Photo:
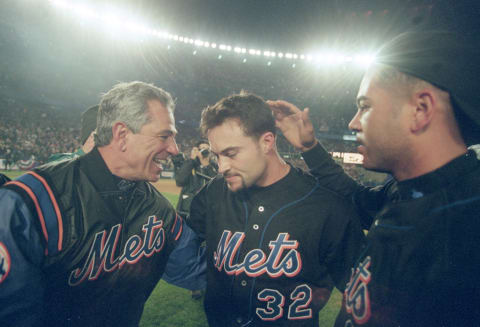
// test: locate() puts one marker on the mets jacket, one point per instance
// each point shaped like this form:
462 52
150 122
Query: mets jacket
421 266
82 247
274 253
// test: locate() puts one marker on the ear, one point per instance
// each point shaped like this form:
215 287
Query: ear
424 110
120 132
267 142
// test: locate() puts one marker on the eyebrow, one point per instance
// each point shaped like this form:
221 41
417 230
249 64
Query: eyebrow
224 151
360 99
167 131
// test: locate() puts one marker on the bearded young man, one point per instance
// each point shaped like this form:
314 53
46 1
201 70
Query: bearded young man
277 243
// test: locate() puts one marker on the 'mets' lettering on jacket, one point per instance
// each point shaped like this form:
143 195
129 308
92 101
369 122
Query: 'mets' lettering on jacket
102 252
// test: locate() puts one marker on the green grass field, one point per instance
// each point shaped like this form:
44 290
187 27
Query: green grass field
170 306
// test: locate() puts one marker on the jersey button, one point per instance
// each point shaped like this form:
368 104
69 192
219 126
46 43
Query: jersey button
239 320
261 209
255 227
243 283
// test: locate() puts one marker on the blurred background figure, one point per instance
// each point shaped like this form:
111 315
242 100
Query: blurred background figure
89 123
191 175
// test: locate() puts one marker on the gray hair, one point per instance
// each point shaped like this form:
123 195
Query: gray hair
128 103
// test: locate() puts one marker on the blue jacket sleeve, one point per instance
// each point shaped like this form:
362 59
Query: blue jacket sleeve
22 251
186 266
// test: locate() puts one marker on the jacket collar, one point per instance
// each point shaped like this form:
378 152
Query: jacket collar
99 174
439 178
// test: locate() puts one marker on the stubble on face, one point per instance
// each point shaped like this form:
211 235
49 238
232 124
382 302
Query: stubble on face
380 127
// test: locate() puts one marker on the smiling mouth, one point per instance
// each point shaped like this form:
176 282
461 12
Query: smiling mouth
159 163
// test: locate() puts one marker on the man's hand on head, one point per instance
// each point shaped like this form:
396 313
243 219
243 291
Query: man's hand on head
294 124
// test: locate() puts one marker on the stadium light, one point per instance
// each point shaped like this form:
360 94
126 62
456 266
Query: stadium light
111 21
122 23
364 60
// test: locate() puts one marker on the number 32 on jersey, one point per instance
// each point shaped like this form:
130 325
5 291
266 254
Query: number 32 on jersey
298 309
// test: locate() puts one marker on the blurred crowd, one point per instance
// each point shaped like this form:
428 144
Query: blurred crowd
37 130
29 130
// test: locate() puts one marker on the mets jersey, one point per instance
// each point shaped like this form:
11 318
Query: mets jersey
274 253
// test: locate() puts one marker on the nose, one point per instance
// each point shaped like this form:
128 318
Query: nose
172 147
223 164
354 124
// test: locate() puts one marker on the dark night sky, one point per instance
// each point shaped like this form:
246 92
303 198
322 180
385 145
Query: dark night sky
44 52
301 23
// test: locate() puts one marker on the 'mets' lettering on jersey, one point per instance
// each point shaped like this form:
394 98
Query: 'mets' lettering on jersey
102 252
256 262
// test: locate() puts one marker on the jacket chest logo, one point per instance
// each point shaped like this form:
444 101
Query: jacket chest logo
102 251
256 262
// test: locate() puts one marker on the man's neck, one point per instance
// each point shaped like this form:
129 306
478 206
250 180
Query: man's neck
113 162
277 169
428 159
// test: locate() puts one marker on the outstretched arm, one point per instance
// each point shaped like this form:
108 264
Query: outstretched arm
297 128
186 266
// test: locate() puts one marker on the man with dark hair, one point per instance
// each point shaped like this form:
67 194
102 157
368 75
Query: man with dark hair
84 242
89 123
277 243
418 110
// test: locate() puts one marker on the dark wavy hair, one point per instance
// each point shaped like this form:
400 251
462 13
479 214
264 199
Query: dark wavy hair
250 110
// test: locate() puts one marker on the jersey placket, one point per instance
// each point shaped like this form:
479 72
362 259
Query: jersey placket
244 283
